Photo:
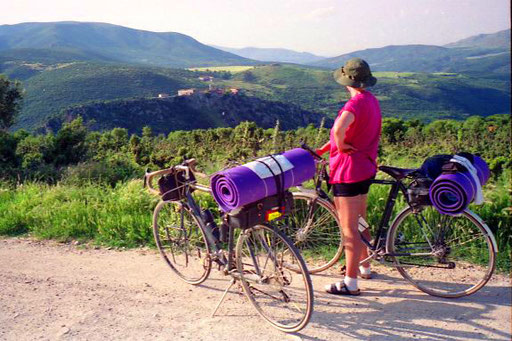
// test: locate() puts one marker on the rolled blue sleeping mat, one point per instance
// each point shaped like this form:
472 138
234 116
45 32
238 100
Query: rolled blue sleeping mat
242 185
451 193
482 169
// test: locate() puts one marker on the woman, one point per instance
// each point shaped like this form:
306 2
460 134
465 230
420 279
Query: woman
353 145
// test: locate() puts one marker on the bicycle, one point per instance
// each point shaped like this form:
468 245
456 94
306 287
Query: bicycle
420 242
187 240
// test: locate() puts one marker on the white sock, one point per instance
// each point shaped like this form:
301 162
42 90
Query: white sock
350 282
365 271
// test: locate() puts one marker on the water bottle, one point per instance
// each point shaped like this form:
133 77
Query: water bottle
224 233
210 224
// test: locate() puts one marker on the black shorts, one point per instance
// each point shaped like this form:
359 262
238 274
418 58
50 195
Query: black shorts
351 189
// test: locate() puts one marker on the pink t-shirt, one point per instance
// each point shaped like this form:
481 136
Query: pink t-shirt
364 134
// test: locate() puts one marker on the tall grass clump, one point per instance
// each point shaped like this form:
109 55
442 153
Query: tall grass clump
496 212
119 216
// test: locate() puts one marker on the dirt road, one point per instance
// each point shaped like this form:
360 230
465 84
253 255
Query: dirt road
57 291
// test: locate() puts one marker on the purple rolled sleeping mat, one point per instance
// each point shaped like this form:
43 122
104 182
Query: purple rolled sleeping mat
451 193
235 187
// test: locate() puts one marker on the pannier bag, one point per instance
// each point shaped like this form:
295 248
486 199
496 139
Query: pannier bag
263 211
171 186
418 191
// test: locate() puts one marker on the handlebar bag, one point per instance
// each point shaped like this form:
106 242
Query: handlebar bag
172 185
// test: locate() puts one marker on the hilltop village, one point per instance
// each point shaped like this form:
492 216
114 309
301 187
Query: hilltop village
212 89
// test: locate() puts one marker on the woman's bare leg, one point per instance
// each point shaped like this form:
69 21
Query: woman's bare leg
366 233
348 209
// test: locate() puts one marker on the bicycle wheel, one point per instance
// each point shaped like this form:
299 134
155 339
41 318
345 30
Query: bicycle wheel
314 229
282 297
442 255
181 241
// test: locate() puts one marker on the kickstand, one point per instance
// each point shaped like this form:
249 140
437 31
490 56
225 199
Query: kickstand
224 296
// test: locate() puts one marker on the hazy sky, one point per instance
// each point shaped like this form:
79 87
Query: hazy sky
325 27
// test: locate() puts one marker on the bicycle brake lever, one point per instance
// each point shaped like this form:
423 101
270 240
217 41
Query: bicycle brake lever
304 146
147 171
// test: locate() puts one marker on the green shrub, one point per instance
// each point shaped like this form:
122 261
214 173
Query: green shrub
108 172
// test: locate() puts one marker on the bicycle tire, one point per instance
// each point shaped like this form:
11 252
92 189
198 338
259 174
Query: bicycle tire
457 254
314 228
282 297
181 241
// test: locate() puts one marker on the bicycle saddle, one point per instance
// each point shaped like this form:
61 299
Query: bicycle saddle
397 173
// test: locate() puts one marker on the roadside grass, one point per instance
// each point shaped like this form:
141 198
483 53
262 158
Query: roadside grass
117 217
122 216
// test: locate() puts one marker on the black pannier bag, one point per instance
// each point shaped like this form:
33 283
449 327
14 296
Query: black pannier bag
171 185
436 165
432 167
265 210
418 191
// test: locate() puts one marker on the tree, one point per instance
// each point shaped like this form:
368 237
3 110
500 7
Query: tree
70 146
10 101
393 129
248 76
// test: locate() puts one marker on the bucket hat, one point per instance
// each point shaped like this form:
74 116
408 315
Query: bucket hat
355 73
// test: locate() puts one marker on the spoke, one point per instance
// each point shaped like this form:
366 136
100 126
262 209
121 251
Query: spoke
264 293
465 242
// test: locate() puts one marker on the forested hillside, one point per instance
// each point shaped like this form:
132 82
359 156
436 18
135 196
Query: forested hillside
198 111
65 85
425 96
53 88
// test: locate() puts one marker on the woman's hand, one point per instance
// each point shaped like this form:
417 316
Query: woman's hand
348 148
325 148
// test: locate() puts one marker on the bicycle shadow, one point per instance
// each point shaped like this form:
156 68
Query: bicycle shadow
389 309
414 315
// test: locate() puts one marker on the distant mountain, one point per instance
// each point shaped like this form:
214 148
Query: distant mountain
486 54
499 40
273 55
108 42
209 110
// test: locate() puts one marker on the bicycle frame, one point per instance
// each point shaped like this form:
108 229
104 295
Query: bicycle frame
380 237
213 241
396 187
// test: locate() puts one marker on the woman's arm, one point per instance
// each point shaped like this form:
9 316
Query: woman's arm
324 148
339 129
